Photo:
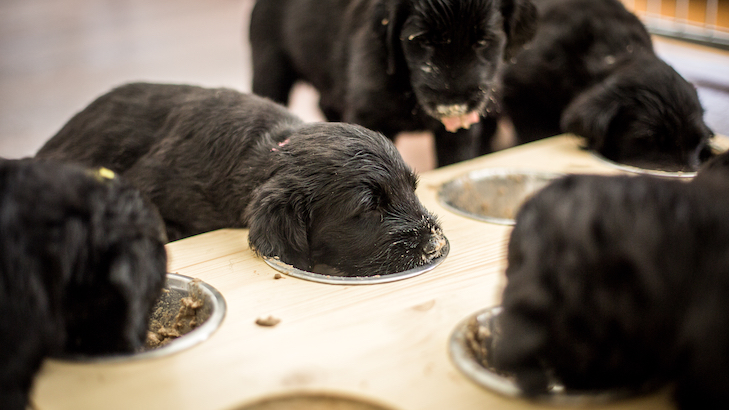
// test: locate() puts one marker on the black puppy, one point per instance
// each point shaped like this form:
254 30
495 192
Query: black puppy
591 70
312 194
620 283
392 65
82 261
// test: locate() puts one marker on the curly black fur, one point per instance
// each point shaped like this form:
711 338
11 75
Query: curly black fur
390 66
82 261
621 282
312 194
591 70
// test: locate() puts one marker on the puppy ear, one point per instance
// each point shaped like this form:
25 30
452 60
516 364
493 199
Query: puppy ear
137 274
590 116
277 221
388 17
520 25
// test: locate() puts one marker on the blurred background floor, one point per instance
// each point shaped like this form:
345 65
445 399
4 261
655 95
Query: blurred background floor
56 56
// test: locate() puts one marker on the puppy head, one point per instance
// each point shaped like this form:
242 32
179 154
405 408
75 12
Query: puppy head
340 195
453 50
600 271
97 246
646 111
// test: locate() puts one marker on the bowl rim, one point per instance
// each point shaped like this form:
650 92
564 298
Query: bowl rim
484 173
290 270
713 143
643 171
283 396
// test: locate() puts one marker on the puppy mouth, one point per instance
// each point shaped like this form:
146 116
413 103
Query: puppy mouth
452 118
456 116
435 246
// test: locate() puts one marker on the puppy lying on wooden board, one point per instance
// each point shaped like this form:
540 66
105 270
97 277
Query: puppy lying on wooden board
392 65
82 262
619 283
591 70
328 194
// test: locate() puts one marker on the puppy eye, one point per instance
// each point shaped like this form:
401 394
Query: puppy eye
373 200
420 40
416 36
378 202
483 43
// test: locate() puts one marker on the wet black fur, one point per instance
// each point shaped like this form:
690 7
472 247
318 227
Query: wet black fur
621 282
323 193
82 261
360 56
591 70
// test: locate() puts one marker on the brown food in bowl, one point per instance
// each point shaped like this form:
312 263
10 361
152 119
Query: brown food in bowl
175 314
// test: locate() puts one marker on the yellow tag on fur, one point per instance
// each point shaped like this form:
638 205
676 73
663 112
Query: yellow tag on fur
106 173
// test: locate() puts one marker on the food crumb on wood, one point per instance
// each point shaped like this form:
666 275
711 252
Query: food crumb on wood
269 321
277 276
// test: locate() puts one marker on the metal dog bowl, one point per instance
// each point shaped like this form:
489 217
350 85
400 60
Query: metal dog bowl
492 195
312 401
660 170
184 326
468 353
648 169
356 280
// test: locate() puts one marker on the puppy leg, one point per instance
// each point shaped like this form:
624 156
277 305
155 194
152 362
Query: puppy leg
452 147
273 76
330 108
273 73
489 128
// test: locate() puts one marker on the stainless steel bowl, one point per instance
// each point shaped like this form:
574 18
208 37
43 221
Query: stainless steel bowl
464 345
210 316
356 280
644 169
312 401
669 171
493 194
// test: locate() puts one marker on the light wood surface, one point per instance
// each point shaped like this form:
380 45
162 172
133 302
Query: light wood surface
384 342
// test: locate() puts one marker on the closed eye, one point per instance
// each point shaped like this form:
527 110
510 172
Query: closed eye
483 43
374 200
416 36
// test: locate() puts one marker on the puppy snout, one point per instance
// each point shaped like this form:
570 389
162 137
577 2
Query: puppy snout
700 154
451 110
435 245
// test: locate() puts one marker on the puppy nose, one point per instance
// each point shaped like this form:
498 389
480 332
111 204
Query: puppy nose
435 244
451 110
698 155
